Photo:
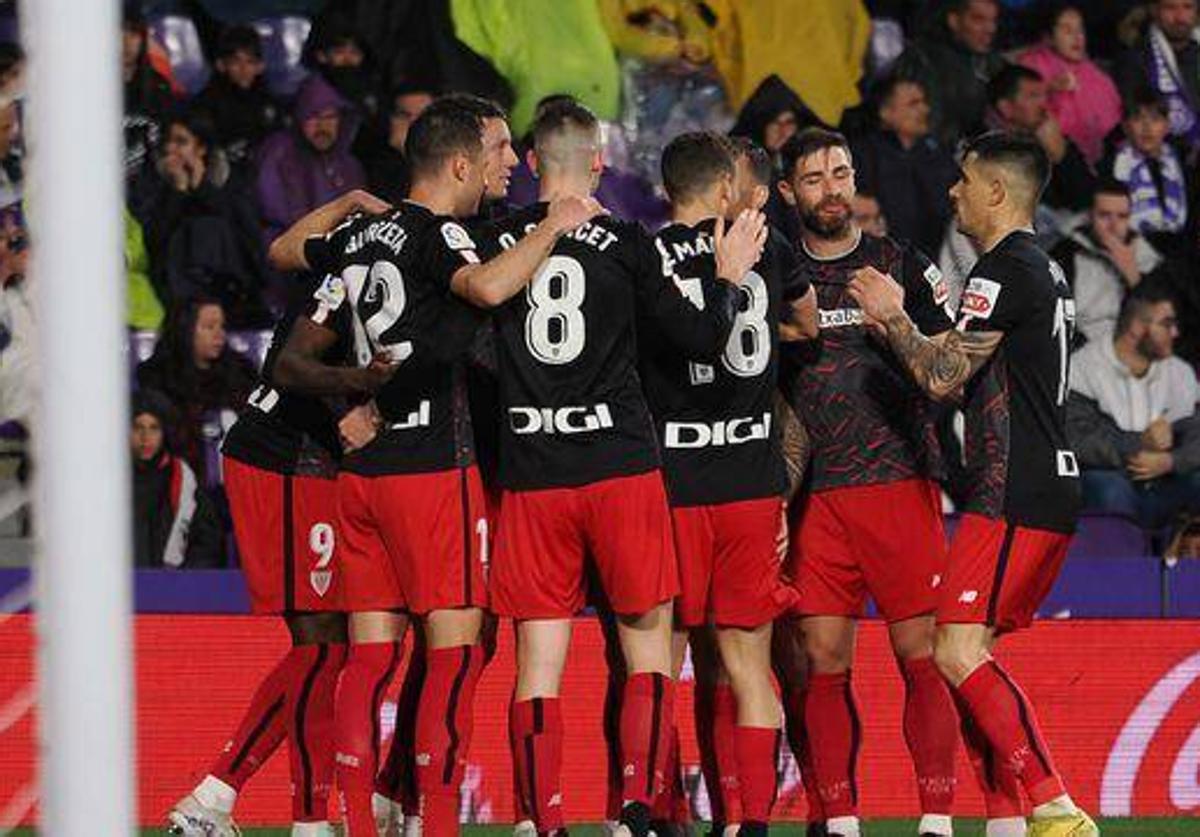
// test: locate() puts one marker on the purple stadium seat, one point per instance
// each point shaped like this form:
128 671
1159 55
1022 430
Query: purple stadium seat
1183 586
179 38
283 46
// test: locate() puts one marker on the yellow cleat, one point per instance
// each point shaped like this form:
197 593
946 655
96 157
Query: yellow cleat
1078 824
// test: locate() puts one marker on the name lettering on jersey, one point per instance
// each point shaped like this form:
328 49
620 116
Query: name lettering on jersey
593 235
458 239
839 317
263 398
562 420
678 251
420 417
979 298
937 283
508 240
698 434
388 233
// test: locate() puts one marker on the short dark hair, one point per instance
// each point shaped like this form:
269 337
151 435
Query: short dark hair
556 117
1018 153
960 6
1143 296
237 39
1007 82
1111 186
478 105
443 129
1145 98
1048 17
692 162
807 142
887 87
758 158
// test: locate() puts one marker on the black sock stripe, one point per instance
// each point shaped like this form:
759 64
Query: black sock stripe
289 547
377 698
855 740
256 733
655 731
452 713
539 717
302 727
465 496
1010 530
531 798
1023 711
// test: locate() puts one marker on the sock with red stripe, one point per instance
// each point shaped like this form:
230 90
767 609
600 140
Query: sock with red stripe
397 780
793 712
1003 714
263 727
369 669
309 710
647 715
537 731
930 732
445 724
834 734
757 748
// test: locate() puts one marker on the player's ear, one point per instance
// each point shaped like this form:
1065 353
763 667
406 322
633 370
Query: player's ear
460 166
598 162
531 160
761 195
786 192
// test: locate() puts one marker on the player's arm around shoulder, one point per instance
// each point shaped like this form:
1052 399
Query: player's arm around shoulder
799 320
287 252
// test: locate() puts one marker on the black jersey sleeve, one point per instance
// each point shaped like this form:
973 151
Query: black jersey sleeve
996 297
323 252
448 247
926 293
793 280
699 332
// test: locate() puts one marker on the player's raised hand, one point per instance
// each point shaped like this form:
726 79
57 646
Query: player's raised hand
359 426
878 295
740 247
360 200
567 213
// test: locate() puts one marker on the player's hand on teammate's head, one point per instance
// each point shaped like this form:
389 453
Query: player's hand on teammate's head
358 427
877 294
567 213
740 247
360 200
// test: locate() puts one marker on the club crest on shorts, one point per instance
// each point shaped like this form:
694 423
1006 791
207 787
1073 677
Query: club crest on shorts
320 581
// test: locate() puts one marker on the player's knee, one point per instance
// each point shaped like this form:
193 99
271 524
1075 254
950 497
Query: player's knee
912 640
450 628
828 654
315 628
956 656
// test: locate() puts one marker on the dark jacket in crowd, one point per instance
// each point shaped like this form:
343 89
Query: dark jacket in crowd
1072 182
911 185
955 80
242 118
148 100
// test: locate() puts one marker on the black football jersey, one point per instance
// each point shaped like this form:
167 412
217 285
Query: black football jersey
715 422
867 420
1019 464
387 286
572 407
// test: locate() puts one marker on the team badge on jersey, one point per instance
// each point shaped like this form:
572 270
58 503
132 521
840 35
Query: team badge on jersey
979 298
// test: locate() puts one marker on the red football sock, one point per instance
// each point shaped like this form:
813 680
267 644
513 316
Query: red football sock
647 711
520 809
793 711
757 748
538 732
263 727
931 733
368 671
1003 714
612 740
725 752
1001 791
666 806
309 711
397 780
834 733
445 724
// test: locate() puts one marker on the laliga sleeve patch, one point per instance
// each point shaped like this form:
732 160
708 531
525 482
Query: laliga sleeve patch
979 298
937 284
459 240
330 295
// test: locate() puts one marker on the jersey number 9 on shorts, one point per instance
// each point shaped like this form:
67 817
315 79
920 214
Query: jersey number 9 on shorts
554 327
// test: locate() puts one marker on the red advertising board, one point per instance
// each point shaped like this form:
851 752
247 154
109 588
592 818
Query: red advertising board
1119 703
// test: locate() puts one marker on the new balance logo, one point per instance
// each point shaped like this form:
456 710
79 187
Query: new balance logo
563 420
968 596
695 434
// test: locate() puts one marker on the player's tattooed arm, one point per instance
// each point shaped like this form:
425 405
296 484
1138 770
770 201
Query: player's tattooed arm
299 367
940 365
287 251
795 444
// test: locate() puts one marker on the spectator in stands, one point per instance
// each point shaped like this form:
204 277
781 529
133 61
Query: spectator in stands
770 117
905 167
1103 258
174 523
1082 98
148 96
19 372
953 63
337 51
1167 61
867 214
12 71
144 308
12 176
1017 96
1131 416
387 168
201 223
236 98
309 164
1150 166
206 381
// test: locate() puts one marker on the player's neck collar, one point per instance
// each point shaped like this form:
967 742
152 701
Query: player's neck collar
853 246
1014 231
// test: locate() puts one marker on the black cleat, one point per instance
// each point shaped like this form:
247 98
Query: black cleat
753 829
816 829
636 817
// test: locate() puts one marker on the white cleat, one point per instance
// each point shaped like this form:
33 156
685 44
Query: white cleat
389 818
413 827
611 828
525 828
189 818
313 829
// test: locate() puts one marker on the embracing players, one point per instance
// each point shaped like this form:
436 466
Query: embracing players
871 522
1008 361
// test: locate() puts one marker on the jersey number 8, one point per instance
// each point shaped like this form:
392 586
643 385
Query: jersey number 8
748 349
554 326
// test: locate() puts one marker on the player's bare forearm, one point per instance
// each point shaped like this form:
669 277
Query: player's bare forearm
943 365
299 367
287 251
499 279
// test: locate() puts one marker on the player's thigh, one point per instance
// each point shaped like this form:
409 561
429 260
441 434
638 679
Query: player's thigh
538 568
822 563
369 581
746 653
542 646
449 628
912 638
695 547
377 626
747 589
901 543
630 538
1034 561
256 504
317 582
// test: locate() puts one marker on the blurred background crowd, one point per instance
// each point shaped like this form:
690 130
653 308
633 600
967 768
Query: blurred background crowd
241 116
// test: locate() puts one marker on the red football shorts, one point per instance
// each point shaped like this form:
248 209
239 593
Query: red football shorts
886 540
287 535
623 524
999 572
415 542
728 570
